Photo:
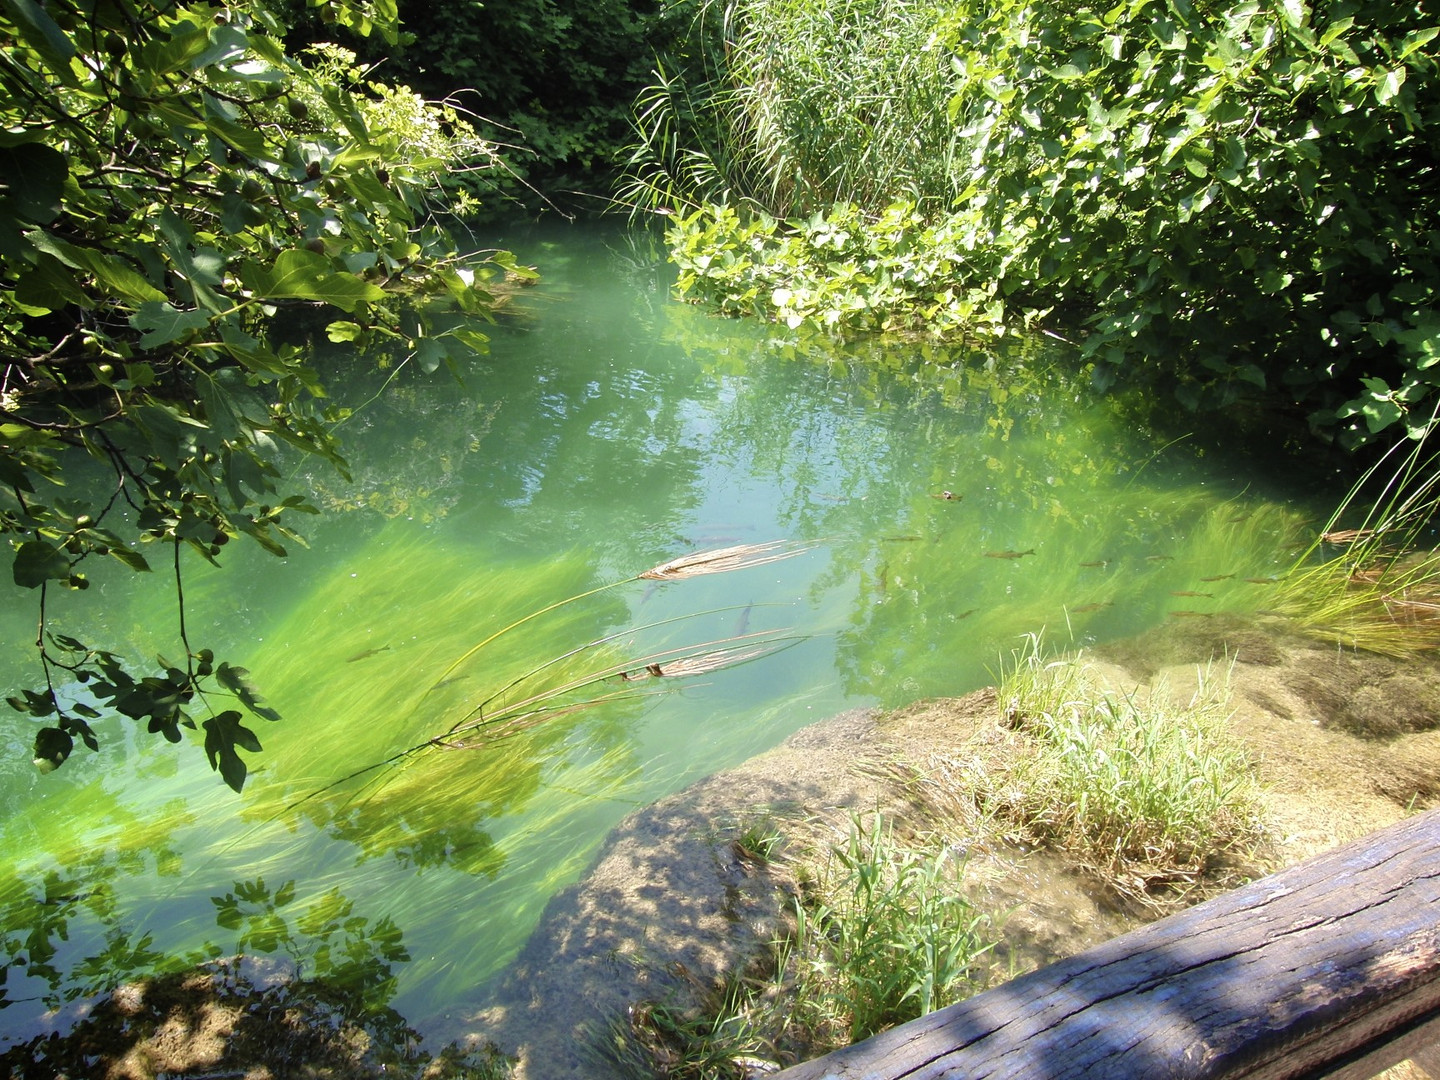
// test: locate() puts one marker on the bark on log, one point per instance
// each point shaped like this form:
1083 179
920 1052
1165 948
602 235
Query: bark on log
1294 975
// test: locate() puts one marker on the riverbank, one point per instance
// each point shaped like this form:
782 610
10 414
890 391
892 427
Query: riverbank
679 898
1342 743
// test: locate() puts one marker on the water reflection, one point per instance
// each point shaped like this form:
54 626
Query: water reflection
608 431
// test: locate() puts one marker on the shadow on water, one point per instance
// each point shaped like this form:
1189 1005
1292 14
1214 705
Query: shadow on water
965 496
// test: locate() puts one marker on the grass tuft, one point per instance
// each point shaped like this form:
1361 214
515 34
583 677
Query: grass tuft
1149 794
882 935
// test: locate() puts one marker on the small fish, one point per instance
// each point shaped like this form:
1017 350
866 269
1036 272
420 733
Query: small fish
1084 608
1259 580
1218 577
1190 614
1237 519
1158 558
882 577
948 496
367 652
900 539
1009 554
1189 592
743 622
1098 564
966 614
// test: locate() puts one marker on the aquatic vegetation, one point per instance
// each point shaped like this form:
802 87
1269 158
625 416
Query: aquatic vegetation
1381 592
884 934
1149 794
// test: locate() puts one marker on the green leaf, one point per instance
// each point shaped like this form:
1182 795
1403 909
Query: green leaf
343 331
164 323
133 559
114 274
430 352
35 174
237 681
472 339
304 275
52 747
49 285
1389 85
223 733
39 561
38 30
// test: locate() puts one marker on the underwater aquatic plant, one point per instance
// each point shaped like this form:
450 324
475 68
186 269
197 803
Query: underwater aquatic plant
592 674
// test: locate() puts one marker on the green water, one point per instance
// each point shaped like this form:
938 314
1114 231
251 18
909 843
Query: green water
609 430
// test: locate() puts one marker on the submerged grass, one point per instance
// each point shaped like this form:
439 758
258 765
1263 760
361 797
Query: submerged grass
1149 794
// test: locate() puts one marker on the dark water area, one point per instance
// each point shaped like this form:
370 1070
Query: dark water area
944 500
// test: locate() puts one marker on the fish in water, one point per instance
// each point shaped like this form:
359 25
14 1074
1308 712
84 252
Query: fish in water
1190 592
1084 608
966 614
900 539
1260 580
1009 554
1158 558
1218 577
743 622
1190 614
367 652
1098 564
948 496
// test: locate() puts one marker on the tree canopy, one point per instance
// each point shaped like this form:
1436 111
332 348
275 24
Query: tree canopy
170 179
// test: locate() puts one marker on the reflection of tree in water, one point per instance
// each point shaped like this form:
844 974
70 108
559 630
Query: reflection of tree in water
224 1006
406 452
62 932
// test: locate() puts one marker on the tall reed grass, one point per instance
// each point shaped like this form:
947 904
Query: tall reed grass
1375 585
793 105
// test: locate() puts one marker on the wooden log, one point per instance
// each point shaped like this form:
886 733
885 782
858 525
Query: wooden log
1298 974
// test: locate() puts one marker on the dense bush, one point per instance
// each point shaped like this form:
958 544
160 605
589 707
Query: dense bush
1243 194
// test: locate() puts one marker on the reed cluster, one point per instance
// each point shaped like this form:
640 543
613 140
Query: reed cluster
1375 585
793 105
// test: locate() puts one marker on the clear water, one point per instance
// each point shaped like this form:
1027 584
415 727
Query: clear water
609 430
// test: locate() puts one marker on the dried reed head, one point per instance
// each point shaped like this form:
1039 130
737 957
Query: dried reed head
720 560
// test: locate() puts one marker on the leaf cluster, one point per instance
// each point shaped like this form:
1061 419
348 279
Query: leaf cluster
1241 195
170 180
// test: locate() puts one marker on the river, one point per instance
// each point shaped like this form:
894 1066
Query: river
935 504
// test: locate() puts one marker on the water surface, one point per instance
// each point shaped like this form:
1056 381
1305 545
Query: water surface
958 498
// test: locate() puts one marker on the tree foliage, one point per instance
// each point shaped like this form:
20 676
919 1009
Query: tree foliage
1241 193
170 179
556 77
